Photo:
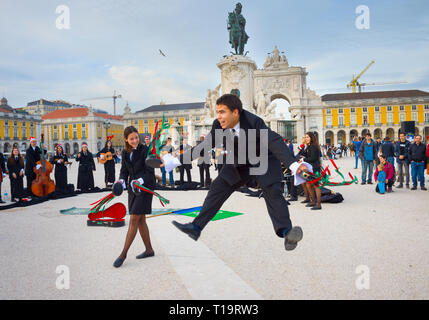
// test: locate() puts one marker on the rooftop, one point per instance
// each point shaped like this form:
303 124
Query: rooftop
375 95
172 107
75 113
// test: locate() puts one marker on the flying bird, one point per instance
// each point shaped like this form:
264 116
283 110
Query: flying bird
161 53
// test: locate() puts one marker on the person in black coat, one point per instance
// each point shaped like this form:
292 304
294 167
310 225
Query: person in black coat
204 164
311 155
134 170
15 166
85 177
109 166
3 172
182 148
32 156
237 125
60 161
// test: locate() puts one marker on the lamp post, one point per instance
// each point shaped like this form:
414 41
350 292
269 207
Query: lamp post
107 127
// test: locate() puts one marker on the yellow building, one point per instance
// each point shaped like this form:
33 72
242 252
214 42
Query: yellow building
186 119
380 113
75 126
16 128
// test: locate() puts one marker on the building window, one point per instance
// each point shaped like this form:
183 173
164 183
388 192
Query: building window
341 121
402 117
377 109
426 106
427 117
187 119
401 108
414 116
74 131
197 119
365 119
31 130
328 111
6 130
365 109
353 120
414 107
146 129
15 130
340 110
146 122
55 133
377 118
389 108
390 118
352 110
66 132
329 122
84 130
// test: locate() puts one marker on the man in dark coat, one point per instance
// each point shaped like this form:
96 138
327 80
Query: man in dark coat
182 148
32 155
237 124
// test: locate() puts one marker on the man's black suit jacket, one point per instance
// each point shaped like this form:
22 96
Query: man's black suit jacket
278 152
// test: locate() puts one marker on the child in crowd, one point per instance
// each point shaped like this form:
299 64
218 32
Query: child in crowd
381 183
389 174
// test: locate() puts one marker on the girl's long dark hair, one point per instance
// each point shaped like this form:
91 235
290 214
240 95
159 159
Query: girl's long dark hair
127 132
11 158
313 140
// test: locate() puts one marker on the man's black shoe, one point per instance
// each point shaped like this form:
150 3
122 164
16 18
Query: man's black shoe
369 182
400 186
424 188
414 188
292 199
363 182
292 238
192 230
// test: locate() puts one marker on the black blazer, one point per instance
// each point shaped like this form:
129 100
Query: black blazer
31 158
136 167
278 152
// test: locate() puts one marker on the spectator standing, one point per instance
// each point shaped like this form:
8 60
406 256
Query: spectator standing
417 155
368 153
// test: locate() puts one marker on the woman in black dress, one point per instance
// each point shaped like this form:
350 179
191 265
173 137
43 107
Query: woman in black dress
311 155
60 161
85 178
133 169
109 165
15 166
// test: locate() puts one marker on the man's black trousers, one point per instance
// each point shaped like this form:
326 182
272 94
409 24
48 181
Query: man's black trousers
220 191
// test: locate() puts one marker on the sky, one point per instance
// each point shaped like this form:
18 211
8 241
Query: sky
114 45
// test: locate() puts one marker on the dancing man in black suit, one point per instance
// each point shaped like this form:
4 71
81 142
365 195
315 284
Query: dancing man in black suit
232 120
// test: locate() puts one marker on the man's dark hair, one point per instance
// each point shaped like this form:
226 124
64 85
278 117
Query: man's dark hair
368 134
231 101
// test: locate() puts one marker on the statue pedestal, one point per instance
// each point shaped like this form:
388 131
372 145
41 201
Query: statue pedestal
237 73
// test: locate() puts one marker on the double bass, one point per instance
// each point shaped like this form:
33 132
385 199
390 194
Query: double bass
43 184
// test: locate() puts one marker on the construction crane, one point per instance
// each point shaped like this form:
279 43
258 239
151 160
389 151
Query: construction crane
114 100
379 84
354 83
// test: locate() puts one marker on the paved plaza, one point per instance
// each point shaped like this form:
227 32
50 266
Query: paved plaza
370 246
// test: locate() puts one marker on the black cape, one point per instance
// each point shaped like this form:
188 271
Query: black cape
16 185
60 172
85 178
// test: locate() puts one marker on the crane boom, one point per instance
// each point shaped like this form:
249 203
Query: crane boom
354 81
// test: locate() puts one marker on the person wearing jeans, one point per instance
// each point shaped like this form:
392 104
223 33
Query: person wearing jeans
401 154
357 142
417 155
368 153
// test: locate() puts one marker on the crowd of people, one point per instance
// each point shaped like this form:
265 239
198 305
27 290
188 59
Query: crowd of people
410 157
